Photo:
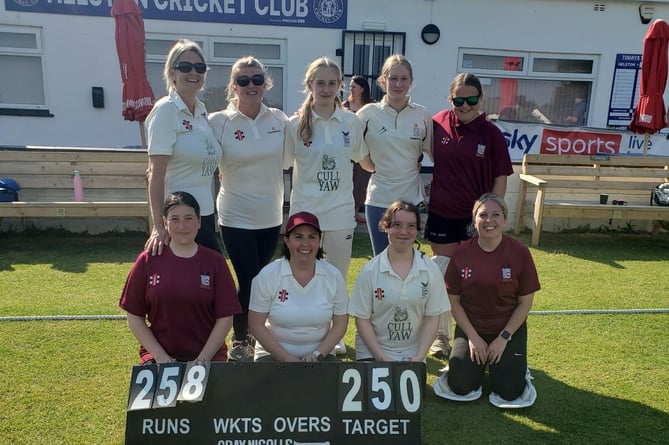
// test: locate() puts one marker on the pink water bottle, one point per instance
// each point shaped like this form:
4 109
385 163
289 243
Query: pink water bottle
78 187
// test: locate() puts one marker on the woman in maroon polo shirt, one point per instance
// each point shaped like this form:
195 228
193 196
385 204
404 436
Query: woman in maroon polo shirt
471 158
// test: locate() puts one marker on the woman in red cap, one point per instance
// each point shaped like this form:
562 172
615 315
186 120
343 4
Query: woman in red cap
299 304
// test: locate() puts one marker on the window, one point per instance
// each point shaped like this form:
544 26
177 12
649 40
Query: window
364 53
220 55
22 86
533 87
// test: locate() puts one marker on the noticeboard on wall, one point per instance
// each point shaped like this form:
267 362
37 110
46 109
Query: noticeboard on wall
624 90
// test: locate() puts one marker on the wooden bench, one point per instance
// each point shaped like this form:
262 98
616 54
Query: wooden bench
568 186
114 182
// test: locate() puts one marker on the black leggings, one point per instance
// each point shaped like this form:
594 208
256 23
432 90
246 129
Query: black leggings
507 378
249 251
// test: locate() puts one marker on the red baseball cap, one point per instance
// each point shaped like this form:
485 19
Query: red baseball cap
301 218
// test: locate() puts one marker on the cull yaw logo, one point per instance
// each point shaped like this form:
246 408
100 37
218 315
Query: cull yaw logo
328 11
569 142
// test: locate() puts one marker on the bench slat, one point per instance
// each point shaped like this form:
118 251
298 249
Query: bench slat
73 209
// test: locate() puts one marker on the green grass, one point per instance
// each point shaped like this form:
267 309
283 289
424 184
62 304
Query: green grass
600 378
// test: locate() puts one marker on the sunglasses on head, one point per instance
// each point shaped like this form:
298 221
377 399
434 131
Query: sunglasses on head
257 79
460 101
187 67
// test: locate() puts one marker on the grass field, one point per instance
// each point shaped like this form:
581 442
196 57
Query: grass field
600 377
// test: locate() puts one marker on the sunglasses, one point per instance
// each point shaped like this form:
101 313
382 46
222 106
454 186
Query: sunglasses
460 101
257 79
187 67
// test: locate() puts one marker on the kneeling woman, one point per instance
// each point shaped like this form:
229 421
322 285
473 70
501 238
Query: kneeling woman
399 294
491 281
187 293
298 309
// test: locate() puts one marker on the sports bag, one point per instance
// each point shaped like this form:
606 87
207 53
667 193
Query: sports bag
9 190
659 196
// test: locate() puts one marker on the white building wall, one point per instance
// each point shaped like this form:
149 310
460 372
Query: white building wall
79 53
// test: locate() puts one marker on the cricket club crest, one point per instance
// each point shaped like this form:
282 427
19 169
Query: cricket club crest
466 273
347 138
328 11
239 135
205 280
506 273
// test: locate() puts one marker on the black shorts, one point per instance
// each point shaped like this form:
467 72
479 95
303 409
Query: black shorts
440 230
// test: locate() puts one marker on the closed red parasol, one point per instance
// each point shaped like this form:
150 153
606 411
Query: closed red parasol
138 97
649 115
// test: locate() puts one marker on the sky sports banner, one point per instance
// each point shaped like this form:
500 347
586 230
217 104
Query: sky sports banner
306 13
537 139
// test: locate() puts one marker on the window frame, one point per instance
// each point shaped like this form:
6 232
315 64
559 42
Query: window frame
19 109
528 73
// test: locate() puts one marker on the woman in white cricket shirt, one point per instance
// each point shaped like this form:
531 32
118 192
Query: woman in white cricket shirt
250 200
397 133
298 309
399 294
183 153
320 143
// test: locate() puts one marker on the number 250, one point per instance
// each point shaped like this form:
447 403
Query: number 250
380 391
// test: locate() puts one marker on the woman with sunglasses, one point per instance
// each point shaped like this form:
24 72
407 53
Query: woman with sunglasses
470 158
321 141
250 200
397 133
183 152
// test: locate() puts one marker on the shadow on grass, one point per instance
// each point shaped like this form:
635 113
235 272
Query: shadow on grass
561 414
68 252
609 249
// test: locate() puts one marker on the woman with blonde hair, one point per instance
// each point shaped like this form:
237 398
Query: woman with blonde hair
183 152
250 199
397 134
320 143
490 303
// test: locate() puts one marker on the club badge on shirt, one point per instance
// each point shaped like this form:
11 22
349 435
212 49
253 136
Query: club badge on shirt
239 135
506 273
424 289
480 151
186 123
205 280
466 273
347 138
417 134
378 294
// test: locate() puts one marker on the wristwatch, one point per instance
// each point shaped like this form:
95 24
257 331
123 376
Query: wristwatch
319 356
506 335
